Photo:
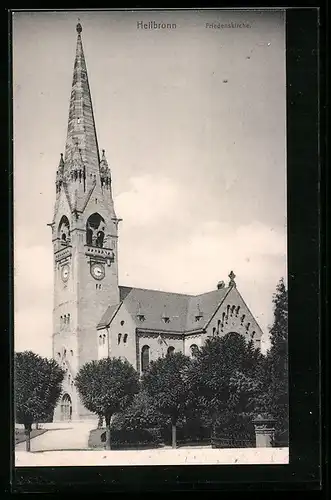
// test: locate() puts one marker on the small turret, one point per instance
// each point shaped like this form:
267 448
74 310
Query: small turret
59 174
105 177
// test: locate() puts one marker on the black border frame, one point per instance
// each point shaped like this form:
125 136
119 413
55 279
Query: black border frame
306 184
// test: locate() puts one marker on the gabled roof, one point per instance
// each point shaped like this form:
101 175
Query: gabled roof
166 311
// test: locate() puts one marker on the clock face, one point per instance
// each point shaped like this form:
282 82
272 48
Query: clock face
65 273
98 271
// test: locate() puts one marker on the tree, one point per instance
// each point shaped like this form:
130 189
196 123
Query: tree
165 381
141 414
275 395
38 385
224 378
107 387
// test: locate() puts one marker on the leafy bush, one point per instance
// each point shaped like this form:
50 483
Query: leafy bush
141 414
192 431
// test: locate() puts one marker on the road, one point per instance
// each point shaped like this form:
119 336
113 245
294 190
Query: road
72 437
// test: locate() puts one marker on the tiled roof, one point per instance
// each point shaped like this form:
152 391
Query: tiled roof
108 316
166 311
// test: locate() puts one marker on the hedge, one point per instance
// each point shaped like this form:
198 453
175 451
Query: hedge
126 438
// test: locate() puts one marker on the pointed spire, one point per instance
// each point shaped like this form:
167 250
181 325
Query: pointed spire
81 133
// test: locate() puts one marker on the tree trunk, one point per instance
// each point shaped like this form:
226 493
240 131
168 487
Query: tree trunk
100 422
27 429
212 430
173 432
108 441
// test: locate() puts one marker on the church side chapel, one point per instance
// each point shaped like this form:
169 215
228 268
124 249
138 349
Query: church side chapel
93 316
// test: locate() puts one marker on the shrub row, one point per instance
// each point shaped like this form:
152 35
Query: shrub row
126 438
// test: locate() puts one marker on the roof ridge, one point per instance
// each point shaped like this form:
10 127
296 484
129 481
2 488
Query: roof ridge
154 290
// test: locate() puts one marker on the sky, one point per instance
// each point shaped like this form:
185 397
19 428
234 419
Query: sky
193 121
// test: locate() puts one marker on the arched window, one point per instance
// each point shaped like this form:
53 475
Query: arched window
144 358
66 407
64 230
104 339
95 230
71 352
125 338
119 338
194 349
170 350
100 339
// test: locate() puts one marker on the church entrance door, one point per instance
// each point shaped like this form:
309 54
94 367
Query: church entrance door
66 408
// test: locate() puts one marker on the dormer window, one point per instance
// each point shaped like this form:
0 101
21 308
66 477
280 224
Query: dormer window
141 317
166 319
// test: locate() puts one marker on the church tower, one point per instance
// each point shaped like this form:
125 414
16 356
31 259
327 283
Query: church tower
84 235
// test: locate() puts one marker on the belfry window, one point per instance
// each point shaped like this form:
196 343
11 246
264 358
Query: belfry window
95 230
170 350
64 231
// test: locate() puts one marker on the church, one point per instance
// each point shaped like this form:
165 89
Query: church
93 316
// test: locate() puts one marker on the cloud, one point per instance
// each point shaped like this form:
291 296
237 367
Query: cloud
33 330
164 243
33 298
148 201
188 255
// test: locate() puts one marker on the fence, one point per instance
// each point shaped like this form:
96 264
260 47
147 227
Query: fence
232 442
